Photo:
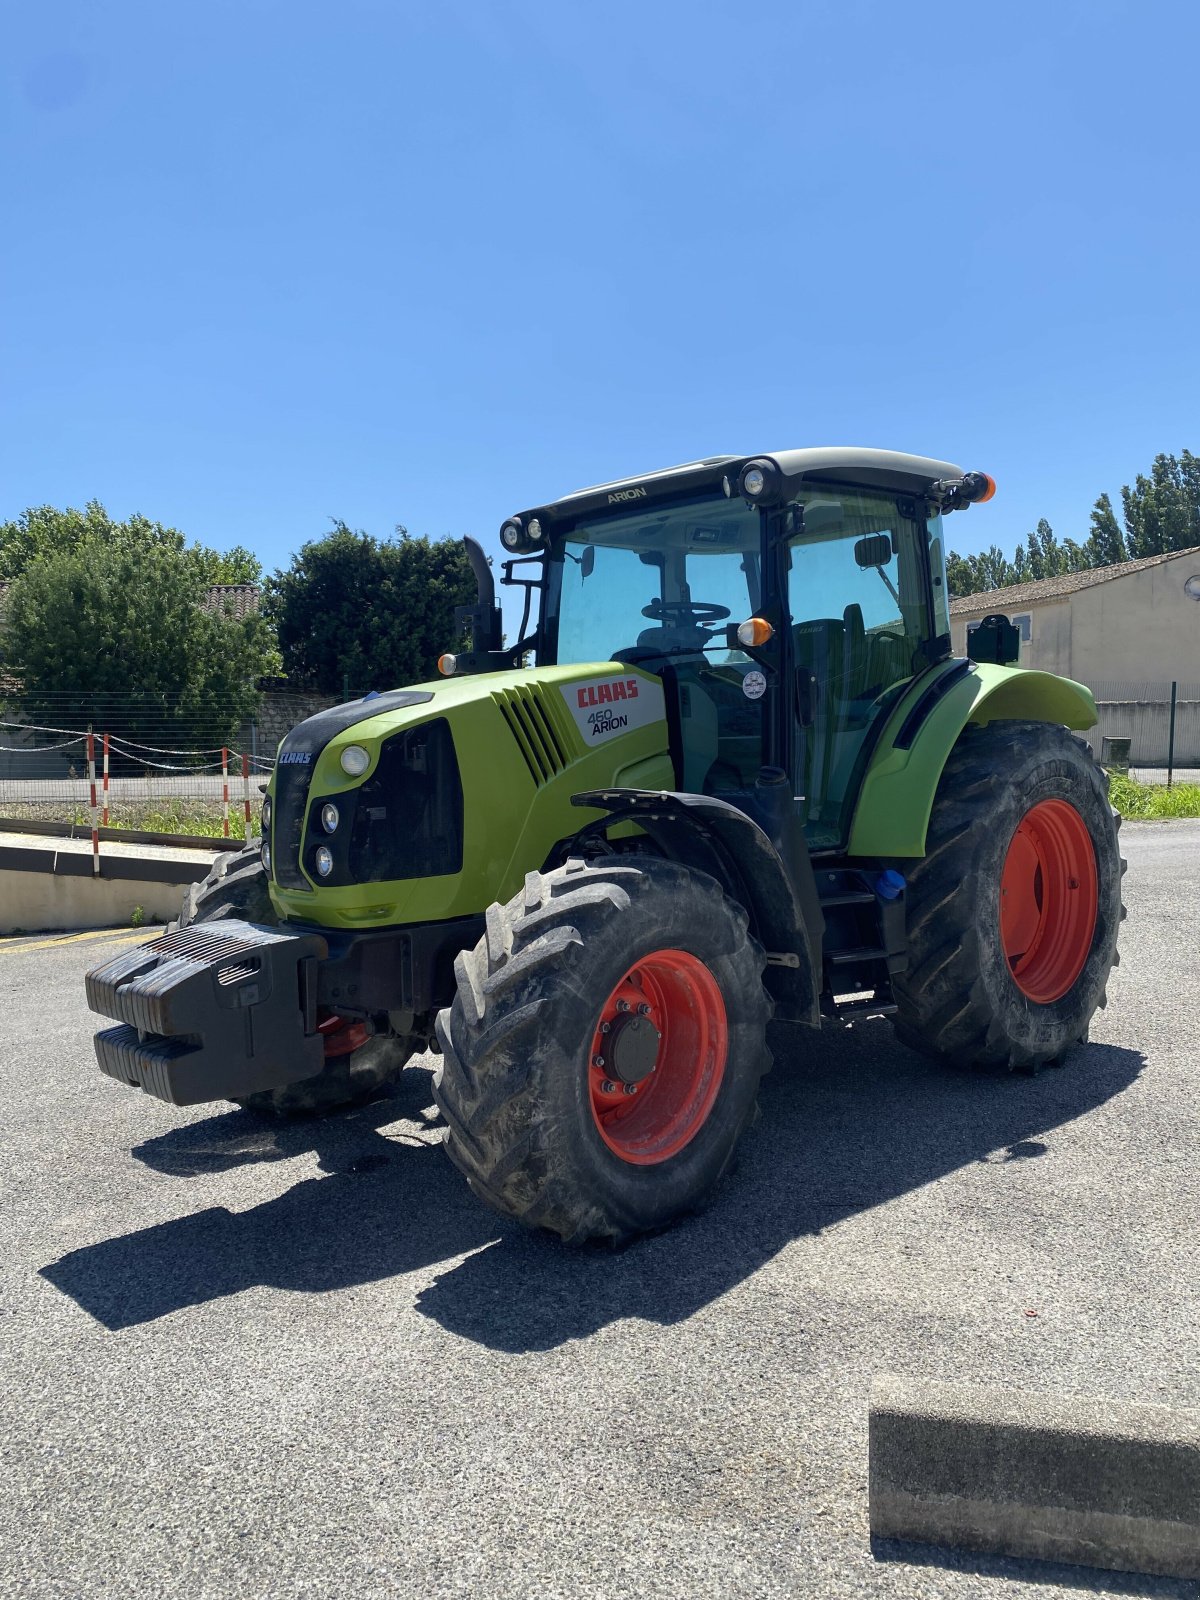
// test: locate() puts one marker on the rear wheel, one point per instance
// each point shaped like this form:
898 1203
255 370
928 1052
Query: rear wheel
358 1064
604 1051
1013 912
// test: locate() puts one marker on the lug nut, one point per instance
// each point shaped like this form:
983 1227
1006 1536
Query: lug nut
643 1009
631 1088
597 1061
608 1087
606 1027
622 1005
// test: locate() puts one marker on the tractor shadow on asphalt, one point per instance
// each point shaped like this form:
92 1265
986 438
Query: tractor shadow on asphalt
850 1121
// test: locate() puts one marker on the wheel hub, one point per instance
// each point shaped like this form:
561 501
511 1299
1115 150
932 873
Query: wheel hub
633 1048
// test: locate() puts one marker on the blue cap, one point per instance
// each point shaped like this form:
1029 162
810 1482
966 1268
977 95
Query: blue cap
889 885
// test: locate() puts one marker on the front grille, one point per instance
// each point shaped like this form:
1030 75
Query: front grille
533 726
287 821
406 820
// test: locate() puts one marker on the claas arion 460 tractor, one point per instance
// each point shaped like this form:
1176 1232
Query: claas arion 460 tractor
746 776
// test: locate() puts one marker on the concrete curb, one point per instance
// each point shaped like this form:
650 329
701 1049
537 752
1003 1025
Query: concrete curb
47 886
1095 1483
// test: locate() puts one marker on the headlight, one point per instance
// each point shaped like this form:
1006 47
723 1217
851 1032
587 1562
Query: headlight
754 482
329 817
535 529
266 815
511 533
265 853
355 760
324 861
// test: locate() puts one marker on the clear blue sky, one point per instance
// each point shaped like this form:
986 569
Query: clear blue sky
265 264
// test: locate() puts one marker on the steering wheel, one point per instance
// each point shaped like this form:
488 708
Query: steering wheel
695 612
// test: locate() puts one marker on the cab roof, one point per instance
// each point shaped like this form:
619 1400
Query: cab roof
884 469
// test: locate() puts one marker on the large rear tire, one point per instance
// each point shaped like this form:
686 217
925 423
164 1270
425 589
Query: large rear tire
1013 911
603 1054
357 1065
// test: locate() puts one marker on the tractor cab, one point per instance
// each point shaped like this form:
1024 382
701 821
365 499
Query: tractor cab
784 601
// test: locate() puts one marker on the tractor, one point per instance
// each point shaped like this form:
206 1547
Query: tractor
729 769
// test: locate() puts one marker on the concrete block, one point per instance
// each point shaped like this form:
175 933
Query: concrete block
37 902
1091 1482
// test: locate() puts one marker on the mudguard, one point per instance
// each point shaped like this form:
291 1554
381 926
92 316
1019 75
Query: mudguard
903 774
779 894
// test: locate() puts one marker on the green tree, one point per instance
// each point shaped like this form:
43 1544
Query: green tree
1106 543
359 612
113 633
46 531
1162 512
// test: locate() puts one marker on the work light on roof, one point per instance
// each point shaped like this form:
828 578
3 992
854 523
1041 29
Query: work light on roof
761 483
511 534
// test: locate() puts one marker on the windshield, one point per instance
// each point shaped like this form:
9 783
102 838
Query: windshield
661 583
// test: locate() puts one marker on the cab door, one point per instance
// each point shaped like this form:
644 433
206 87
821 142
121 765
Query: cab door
860 601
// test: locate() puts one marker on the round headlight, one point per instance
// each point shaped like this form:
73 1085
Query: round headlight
761 481
265 853
266 815
355 760
535 528
510 534
329 817
324 861
446 664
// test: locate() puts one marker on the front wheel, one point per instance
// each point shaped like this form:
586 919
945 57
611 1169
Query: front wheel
1013 911
603 1054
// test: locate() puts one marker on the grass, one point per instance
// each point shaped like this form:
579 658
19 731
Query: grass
1153 801
196 818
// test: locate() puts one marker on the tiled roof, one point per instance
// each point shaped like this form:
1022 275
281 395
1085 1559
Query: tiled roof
234 599
1022 594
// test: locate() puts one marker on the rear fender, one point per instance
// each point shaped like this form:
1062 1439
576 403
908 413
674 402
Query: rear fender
711 836
901 780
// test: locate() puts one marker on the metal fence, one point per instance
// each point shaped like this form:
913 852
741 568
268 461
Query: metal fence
99 780
1153 729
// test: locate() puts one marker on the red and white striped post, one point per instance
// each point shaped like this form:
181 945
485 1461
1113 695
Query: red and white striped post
104 786
246 792
91 755
225 787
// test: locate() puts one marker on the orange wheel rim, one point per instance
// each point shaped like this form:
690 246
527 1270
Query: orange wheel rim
341 1037
1048 900
658 1057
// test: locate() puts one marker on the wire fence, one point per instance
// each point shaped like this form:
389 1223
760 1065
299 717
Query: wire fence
1151 730
97 781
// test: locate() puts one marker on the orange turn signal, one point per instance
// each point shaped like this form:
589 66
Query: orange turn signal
446 665
989 491
755 632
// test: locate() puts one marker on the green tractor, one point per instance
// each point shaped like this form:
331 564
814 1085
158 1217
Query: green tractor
746 778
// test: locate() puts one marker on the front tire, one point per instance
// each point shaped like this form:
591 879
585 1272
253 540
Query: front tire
603 1054
1013 911
357 1065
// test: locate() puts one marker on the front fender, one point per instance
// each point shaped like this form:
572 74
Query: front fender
901 780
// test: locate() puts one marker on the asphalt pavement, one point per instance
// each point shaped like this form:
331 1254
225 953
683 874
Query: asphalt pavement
249 1359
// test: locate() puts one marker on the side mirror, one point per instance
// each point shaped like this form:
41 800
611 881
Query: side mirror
873 551
587 563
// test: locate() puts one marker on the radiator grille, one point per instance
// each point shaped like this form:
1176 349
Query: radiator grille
537 729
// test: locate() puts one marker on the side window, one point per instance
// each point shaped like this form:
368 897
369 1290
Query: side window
941 585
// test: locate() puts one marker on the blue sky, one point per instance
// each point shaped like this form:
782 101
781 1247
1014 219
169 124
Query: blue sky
265 264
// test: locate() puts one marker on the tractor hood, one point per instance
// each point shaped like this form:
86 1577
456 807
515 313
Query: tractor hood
414 805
